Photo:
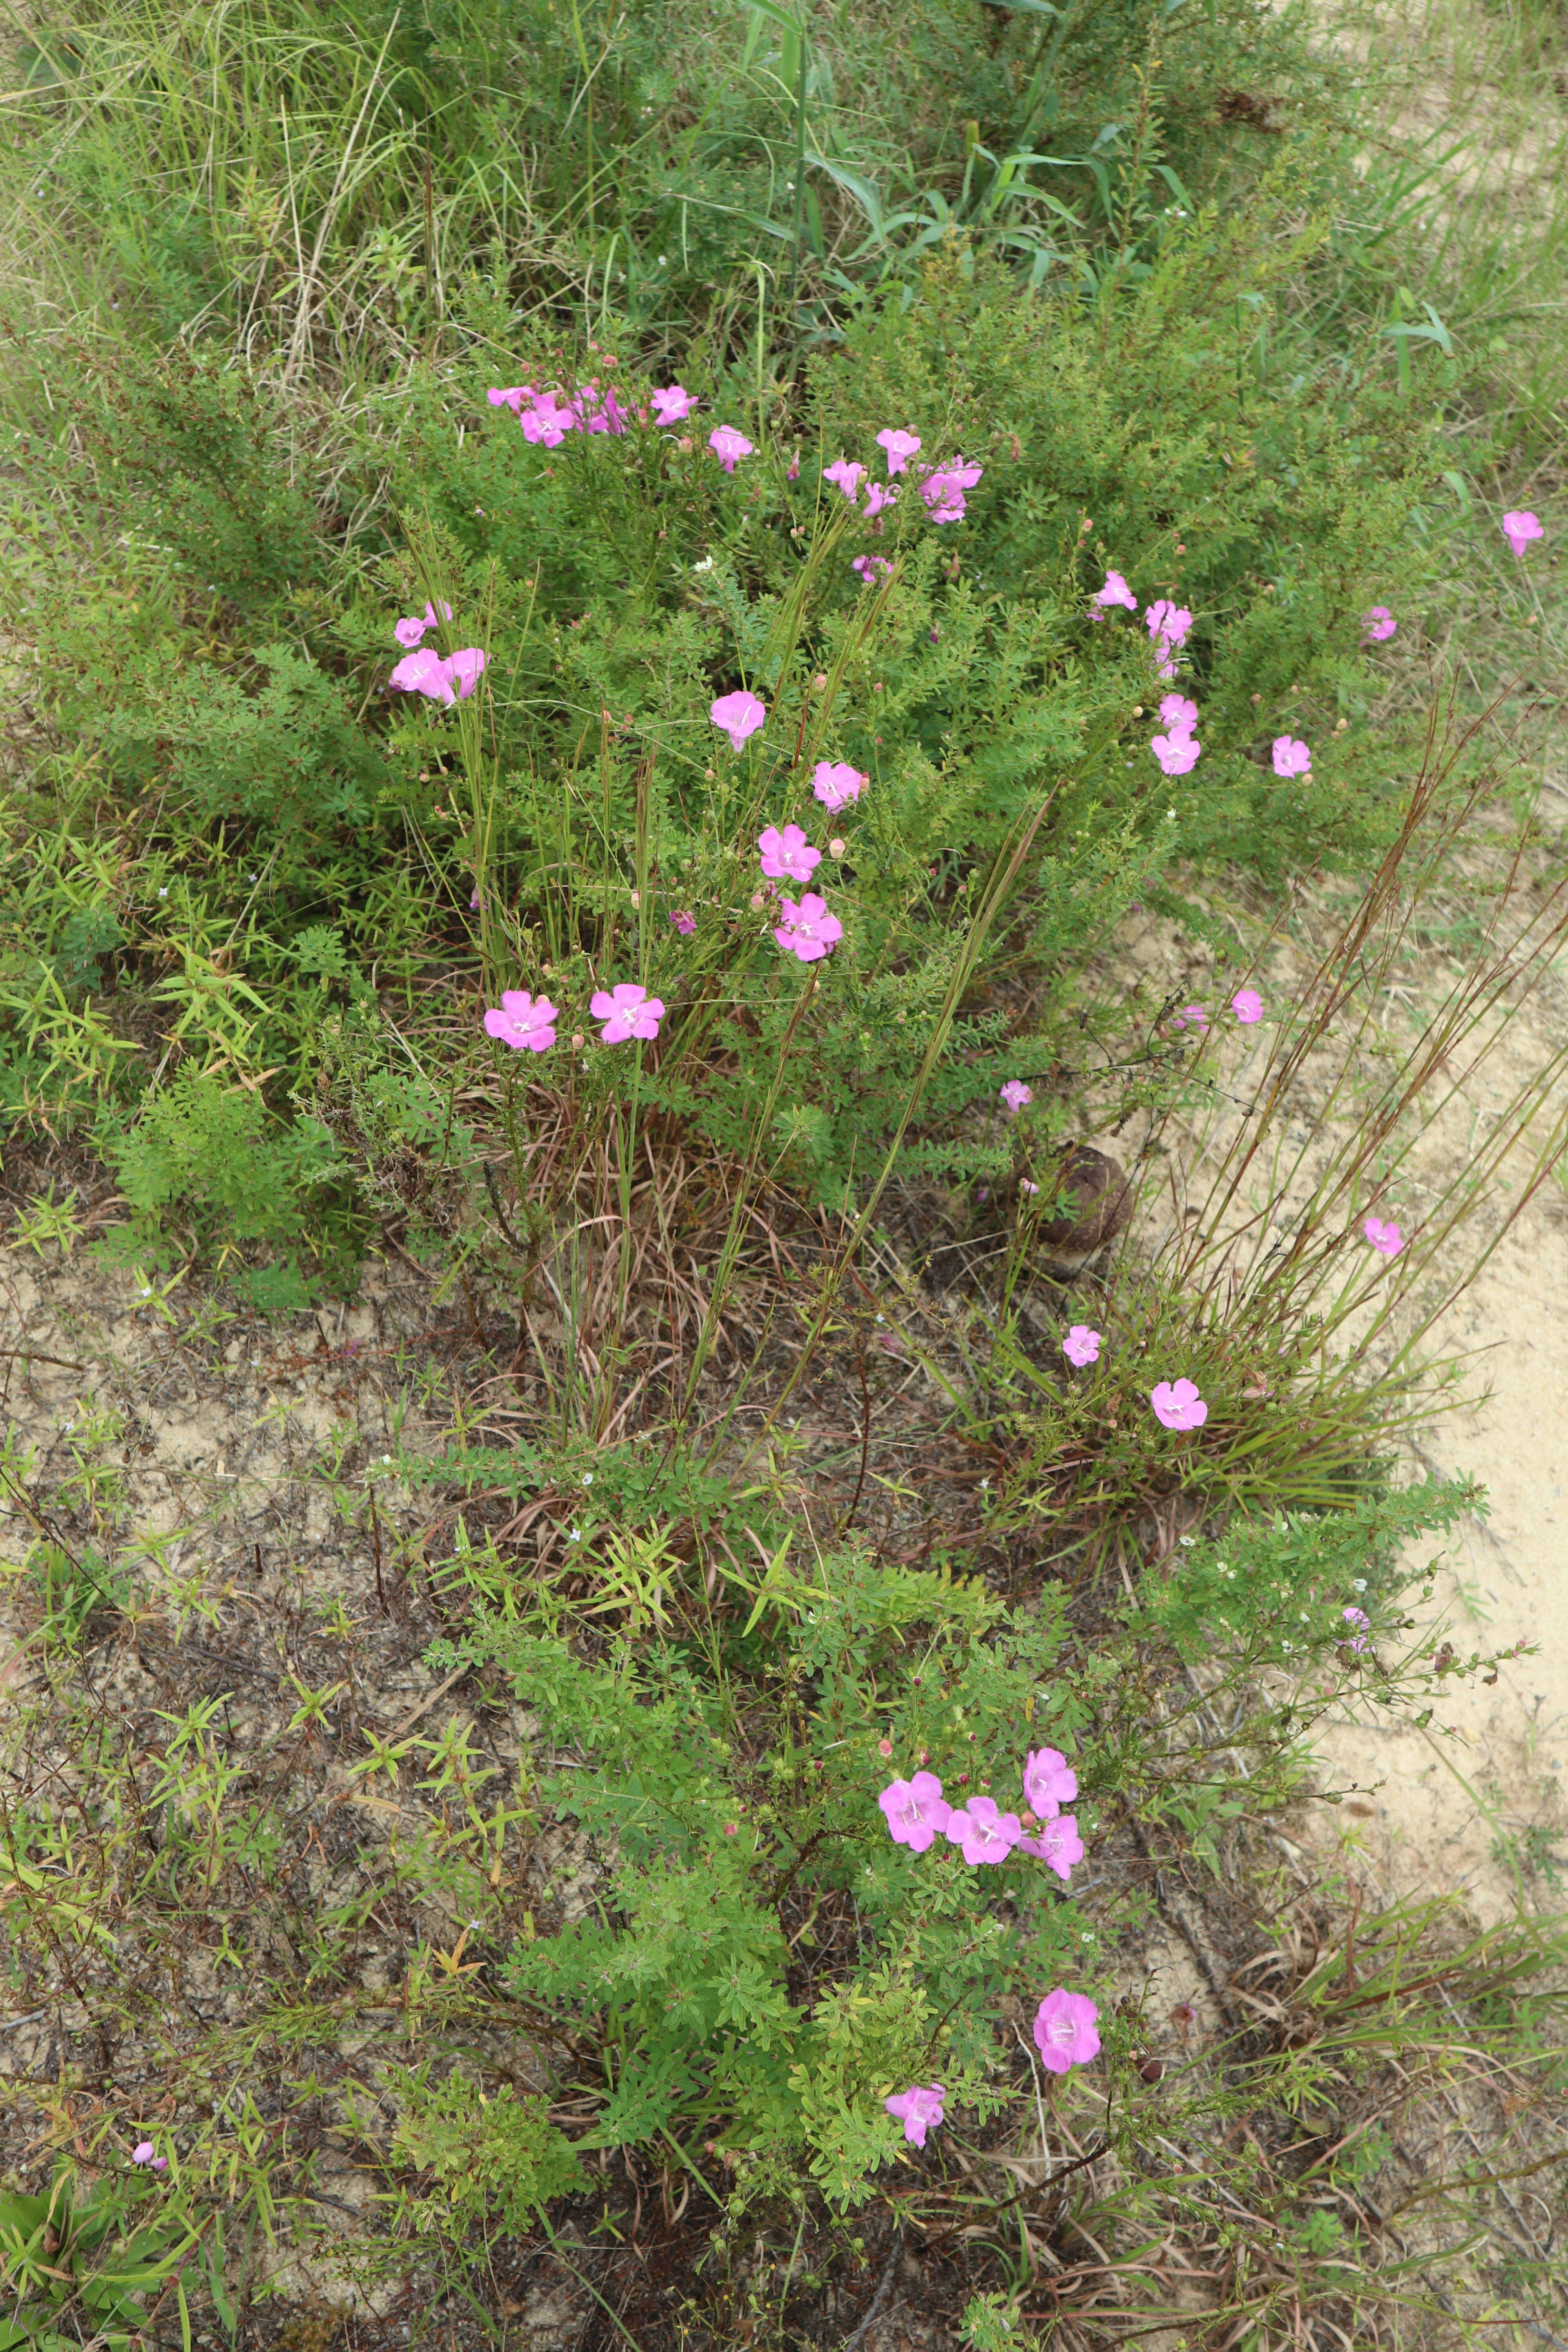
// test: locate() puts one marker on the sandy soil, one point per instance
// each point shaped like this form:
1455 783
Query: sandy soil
1472 1802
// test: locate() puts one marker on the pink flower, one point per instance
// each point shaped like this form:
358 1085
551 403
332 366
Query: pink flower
844 476
1016 1094
792 471
1178 1405
943 490
900 448
729 446
408 632
684 923
1178 714
1290 757
878 496
1177 753
142 2153
916 1812
1025 1186
918 2109
1064 2031
512 397
1058 1845
1248 1005
1362 1623
1191 1016
1520 527
808 930
547 424
739 715
1168 624
521 1024
1377 624
1115 592
983 1834
423 673
1081 1347
872 568
671 405
836 784
1386 1240
600 414
787 857
631 1012
1049 1782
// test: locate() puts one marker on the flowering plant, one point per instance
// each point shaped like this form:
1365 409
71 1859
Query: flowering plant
713 1860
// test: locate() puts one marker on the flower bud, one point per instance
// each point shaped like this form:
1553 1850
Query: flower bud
636 898
835 846
577 1040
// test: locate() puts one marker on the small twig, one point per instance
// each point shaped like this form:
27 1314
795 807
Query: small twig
375 1546
494 1190
884 2288
865 1437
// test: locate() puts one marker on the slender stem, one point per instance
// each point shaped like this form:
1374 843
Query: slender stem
799 157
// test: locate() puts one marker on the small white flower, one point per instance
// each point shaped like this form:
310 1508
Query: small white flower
1360 1584
587 1478
162 894
575 1536
706 564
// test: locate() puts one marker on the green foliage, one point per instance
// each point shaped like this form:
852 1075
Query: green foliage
82 2266
498 2156
990 2325
728 1865
72 1587
1273 495
270 750
191 447
1278 1585
1014 806
203 1149
220 673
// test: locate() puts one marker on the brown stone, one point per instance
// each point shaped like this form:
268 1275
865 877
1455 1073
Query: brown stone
1094 1202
